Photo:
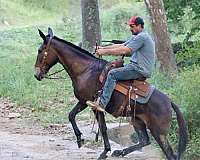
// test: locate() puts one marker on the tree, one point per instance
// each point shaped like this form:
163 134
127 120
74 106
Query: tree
162 38
91 32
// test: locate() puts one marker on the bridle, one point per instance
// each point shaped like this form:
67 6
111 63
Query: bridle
44 62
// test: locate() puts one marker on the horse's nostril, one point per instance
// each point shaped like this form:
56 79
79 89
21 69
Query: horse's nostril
37 77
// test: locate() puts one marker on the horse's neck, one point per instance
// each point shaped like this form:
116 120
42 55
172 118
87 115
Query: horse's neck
71 59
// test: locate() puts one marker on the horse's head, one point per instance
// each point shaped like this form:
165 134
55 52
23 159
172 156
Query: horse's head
46 57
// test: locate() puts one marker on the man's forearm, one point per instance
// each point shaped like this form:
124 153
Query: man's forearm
112 46
117 51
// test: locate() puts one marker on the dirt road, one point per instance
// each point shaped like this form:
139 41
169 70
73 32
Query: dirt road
23 139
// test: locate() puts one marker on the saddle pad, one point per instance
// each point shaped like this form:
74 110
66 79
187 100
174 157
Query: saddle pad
139 88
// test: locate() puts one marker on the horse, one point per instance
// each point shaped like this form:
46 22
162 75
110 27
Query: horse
84 70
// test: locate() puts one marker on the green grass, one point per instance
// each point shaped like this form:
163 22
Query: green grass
18 13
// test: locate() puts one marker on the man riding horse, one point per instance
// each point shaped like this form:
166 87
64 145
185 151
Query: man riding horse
85 70
141 47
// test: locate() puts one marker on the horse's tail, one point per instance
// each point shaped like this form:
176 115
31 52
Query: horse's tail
183 132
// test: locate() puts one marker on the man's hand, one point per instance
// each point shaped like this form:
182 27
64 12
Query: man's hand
101 52
95 48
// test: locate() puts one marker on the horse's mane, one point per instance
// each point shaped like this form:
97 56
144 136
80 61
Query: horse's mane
74 46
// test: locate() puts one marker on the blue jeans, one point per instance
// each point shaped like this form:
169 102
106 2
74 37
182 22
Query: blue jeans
127 72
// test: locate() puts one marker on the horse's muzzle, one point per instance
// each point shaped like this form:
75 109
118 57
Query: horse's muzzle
38 74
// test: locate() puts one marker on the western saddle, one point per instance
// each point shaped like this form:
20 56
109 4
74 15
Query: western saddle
132 89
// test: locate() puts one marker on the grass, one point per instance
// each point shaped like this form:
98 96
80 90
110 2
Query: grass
17 13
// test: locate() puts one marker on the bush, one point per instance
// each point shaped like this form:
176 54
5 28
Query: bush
186 92
189 55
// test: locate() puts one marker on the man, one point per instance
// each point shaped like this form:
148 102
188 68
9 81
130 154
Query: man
141 47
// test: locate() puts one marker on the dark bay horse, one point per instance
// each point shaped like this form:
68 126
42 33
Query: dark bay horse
84 70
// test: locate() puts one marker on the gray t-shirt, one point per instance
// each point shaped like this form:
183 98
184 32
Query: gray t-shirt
143 52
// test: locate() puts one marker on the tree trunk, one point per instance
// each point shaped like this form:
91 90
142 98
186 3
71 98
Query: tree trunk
91 32
164 49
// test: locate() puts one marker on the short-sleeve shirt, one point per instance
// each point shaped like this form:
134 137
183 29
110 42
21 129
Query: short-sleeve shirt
143 52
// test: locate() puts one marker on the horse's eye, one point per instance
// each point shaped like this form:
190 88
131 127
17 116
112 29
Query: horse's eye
40 49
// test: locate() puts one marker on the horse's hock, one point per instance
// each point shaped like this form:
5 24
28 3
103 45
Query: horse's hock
125 136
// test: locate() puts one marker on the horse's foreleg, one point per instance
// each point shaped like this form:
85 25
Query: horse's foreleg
103 129
143 137
78 108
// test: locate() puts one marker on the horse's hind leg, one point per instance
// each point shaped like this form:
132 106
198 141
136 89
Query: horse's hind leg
143 137
164 144
78 108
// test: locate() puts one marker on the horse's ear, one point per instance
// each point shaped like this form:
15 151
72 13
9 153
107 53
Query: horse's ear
50 32
42 35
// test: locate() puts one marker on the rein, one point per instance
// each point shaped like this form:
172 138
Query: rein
97 95
49 76
100 57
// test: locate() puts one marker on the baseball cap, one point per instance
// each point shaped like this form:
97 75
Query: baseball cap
135 20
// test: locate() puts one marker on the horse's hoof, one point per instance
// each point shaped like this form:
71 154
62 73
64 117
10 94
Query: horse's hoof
80 143
123 153
117 153
97 138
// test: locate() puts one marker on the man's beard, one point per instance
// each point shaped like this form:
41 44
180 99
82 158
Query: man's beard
134 33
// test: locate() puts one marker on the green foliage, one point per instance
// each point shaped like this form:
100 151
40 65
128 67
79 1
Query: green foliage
189 55
186 91
176 8
181 11
160 81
